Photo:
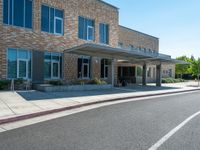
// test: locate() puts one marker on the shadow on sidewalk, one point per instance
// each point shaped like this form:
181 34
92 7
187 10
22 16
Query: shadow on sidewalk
37 95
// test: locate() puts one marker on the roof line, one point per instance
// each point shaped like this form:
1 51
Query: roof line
138 31
108 4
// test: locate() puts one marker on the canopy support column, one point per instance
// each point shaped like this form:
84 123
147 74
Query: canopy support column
144 75
113 72
159 75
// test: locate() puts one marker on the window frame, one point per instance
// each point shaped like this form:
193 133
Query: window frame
105 33
10 17
52 68
24 60
54 20
85 28
27 60
62 23
88 31
81 76
51 61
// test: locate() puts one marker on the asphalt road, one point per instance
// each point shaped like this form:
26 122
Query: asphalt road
126 126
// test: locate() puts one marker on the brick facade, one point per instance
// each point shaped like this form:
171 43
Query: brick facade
35 39
137 39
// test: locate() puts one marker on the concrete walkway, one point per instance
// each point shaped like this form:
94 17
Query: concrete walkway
15 104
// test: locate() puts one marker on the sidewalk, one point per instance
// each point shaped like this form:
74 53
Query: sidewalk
27 104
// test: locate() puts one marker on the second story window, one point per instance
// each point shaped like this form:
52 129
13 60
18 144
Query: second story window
85 28
18 13
104 33
52 20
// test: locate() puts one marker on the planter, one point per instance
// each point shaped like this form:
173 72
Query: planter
63 88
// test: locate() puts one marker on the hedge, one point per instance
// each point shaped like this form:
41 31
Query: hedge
172 80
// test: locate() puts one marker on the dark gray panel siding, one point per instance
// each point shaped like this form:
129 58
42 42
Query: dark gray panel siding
38 67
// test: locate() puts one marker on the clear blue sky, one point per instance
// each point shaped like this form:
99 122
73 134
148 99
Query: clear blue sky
175 22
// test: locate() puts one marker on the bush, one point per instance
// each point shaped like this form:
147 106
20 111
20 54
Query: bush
56 82
97 82
18 81
4 84
172 80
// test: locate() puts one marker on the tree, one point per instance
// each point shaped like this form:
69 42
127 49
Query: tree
182 68
195 69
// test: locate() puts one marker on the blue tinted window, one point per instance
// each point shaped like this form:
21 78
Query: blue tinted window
59 13
80 27
28 13
107 34
23 54
18 13
86 28
58 28
10 18
18 63
45 19
52 20
52 65
5 11
104 33
101 33
18 17
12 63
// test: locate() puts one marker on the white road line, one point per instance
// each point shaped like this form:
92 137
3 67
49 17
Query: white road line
172 132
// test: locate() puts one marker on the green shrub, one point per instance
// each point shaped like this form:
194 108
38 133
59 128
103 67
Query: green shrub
4 84
56 82
172 80
18 81
97 81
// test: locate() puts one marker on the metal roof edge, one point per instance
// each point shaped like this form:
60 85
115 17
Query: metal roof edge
138 31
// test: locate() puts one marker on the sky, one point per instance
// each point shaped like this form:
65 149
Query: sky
175 22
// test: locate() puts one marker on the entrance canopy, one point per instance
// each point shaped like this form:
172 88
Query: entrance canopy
126 55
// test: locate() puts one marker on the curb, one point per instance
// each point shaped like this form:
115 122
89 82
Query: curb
47 112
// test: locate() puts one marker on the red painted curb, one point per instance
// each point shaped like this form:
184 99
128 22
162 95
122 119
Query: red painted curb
42 113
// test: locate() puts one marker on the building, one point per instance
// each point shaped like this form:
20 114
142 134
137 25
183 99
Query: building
72 40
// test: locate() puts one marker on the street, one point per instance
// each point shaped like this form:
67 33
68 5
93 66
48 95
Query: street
133 125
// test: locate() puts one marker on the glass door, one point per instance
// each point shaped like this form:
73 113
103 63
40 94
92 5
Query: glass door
55 70
22 68
86 71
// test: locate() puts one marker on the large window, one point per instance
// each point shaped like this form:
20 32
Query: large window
52 65
18 13
104 68
104 33
18 63
84 67
85 28
52 20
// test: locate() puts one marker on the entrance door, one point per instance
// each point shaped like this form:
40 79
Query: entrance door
127 74
22 68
